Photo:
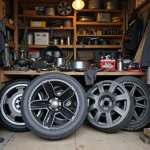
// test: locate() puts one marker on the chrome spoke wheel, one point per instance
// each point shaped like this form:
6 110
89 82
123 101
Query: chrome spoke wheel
108 106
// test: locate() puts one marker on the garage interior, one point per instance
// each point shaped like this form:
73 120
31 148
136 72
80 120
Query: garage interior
74 74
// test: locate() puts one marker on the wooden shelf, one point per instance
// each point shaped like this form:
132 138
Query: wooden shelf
45 17
117 36
99 46
124 73
11 44
10 26
38 28
144 3
100 23
44 46
100 10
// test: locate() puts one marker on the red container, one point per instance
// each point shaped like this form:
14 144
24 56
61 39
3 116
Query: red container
108 64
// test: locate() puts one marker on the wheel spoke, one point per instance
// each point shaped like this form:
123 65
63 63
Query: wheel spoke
112 88
101 88
48 87
97 116
92 107
38 105
136 116
49 119
121 97
108 118
66 95
93 96
118 110
66 113
140 98
133 90
141 106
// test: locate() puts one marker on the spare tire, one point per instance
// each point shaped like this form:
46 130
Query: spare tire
109 106
62 114
10 103
140 94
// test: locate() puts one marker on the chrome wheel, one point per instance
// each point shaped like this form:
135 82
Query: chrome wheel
109 106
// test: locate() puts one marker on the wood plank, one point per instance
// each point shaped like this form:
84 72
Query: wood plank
38 28
75 73
45 17
115 36
100 23
10 26
99 46
99 10
44 46
11 44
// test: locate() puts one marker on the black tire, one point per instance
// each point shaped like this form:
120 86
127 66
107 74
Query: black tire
107 118
140 90
29 105
10 94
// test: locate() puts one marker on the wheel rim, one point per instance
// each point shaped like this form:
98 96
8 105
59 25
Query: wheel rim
10 104
108 104
53 104
140 99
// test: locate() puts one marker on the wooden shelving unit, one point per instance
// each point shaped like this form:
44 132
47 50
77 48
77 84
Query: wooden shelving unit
44 46
114 36
56 28
99 23
100 10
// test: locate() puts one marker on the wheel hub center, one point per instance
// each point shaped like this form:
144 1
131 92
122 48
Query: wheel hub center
54 104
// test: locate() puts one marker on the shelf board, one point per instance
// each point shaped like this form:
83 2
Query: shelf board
10 26
44 46
144 3
100 23
100 10
38 28
11 44
99 46
117 36
45 17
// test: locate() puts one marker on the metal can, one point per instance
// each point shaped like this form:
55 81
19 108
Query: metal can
29 38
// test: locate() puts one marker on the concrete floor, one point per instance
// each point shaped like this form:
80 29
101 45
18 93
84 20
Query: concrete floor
86 138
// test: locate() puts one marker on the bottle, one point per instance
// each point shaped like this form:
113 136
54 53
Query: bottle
119 63
68 40
29 38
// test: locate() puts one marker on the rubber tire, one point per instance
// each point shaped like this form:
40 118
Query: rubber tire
143 123
120 126
60 133
3 121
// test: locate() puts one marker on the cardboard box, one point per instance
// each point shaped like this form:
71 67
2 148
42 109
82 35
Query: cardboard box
147 132
41 38
2 9
41 24
29 12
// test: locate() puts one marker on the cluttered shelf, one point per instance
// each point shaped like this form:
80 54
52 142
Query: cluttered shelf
117 36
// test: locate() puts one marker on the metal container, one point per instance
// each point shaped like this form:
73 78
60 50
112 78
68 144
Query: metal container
55 41
59 62
95 4
49 11
29 38
112 5
120 64
78 65
68 23
61 41
103 17
68 42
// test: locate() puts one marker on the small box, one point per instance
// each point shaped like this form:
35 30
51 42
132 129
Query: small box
147 132
103 17
29 12
41 24
41 38
34 53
